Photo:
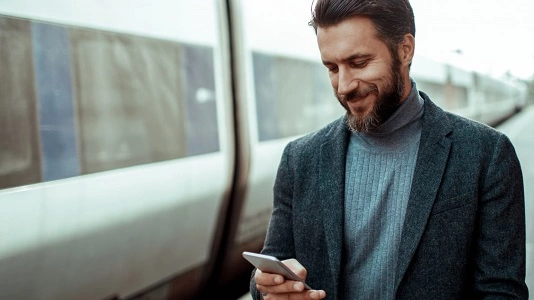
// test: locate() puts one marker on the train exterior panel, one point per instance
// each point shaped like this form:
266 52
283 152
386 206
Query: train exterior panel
117 145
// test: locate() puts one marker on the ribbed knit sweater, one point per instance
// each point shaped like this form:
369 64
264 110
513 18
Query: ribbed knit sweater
379 172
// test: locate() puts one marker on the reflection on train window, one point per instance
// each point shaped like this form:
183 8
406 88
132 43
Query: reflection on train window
59 150
19 150
201 110
134 100
293 96
77 101
126 91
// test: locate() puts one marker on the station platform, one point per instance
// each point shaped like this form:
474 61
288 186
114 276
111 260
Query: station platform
520 130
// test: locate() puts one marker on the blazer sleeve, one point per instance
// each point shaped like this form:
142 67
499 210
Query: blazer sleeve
499 247
279 241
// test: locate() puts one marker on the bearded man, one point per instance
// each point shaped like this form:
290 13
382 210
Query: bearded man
397 199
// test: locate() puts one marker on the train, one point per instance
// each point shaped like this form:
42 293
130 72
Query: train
139 140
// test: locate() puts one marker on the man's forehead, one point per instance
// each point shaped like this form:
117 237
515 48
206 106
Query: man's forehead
352 37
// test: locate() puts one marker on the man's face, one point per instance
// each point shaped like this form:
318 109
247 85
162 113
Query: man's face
366 79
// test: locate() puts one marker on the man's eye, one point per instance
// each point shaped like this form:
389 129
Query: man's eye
358 65
332 69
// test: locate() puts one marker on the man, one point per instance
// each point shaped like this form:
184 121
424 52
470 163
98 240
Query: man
397 199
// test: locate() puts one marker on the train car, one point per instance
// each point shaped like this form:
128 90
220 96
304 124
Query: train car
117 145
139 141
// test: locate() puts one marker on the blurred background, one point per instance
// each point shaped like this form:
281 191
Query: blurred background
488 36
139 140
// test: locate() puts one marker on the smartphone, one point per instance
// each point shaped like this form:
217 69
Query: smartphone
271 264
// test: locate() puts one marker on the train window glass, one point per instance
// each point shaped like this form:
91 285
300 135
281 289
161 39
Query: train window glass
77 101
265 93
142 100
127 92
19 157
456 97
56 112
202 131
293 96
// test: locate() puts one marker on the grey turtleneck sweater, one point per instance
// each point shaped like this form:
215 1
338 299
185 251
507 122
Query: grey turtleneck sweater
379 172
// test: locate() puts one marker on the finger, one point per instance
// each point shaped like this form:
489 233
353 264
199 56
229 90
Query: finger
315 294
296 267
268 279
289 286
304 295
286 296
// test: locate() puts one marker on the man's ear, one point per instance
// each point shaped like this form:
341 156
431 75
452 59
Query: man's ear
407 49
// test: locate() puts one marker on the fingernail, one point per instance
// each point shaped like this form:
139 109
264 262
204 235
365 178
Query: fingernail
317 294
298 286
278 279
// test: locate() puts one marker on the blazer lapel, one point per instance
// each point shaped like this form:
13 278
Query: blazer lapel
430 166
332 193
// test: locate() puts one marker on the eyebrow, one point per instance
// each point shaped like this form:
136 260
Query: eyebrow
350 58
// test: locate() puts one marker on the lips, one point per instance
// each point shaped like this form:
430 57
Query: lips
361 94
356 99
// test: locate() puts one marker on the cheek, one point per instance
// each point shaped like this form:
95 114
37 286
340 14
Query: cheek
375 73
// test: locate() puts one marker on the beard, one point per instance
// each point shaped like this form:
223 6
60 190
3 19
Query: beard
386 104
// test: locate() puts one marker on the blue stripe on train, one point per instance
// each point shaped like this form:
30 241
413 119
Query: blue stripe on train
57 129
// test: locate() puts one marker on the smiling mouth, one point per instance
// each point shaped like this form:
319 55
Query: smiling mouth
357 98
359 95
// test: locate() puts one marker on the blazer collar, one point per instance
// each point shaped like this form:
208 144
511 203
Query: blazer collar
429 169
332 193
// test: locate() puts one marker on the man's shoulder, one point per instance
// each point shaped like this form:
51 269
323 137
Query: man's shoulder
468 128
460 126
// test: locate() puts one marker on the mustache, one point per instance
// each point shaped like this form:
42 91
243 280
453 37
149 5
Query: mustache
357 94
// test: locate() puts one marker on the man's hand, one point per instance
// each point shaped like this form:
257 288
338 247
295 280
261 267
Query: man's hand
275 286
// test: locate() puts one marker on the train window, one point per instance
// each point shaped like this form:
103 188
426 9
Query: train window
456 97
492 90
133 103
202 132
126 92
293 96
56 112
77 101
19 155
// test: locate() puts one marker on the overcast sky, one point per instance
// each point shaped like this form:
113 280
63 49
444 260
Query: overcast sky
493 35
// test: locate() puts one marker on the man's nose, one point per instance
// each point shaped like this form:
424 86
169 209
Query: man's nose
346 83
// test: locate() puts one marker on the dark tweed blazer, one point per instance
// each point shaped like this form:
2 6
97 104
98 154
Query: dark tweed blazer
464 233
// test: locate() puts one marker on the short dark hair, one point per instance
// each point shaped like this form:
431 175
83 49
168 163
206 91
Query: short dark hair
392 19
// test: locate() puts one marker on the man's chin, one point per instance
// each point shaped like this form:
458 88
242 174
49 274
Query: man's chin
361 124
